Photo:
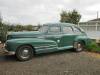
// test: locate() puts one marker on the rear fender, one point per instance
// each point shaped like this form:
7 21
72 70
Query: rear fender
83 39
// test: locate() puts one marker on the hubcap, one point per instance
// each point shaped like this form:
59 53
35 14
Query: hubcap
79 47
24 53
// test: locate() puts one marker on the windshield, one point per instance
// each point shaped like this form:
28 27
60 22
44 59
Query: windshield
43 29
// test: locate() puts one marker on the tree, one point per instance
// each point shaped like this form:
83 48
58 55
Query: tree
29 28
3 31
18 28
11 27
0 20
70 17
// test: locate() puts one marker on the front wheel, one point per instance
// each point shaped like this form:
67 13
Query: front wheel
24 53
78 46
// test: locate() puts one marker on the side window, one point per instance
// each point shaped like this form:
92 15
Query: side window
43 29
54 29
76 30
67 30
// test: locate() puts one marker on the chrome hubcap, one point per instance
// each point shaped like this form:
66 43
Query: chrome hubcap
79 47
25 53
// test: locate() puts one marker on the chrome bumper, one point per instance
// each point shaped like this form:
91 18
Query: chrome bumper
9 52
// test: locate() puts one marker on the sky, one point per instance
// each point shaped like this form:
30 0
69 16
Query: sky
44 11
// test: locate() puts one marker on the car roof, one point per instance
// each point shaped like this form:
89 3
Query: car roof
59 24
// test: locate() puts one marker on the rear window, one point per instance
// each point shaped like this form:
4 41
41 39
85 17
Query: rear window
67 30
76 30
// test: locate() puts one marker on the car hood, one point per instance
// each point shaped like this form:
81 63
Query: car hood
32 34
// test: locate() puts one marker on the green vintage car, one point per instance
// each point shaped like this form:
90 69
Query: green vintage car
50 37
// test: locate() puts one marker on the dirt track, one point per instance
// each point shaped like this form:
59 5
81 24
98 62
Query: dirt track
58 63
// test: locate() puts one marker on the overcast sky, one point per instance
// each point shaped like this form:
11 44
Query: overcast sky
44 11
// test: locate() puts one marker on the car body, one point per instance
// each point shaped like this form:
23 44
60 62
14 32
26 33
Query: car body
50 37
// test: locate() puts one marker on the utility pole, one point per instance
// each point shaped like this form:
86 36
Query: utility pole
97 14
97 21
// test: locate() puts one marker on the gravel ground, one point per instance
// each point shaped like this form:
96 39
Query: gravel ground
58 63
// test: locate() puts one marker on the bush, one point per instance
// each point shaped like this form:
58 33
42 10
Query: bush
93 47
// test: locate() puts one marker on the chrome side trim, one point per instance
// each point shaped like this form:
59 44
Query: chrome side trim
46 46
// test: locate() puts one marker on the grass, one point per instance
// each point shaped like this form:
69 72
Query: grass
93 46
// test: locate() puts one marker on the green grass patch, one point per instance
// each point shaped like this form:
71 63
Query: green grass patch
93 46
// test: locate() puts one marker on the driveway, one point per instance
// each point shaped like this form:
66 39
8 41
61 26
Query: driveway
58 63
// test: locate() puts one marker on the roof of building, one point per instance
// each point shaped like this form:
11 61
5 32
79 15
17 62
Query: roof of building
91 21
95 19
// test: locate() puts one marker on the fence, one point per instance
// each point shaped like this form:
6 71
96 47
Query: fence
92 30
90 26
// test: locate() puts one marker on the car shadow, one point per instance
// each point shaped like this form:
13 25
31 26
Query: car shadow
55 53
12 58
4 58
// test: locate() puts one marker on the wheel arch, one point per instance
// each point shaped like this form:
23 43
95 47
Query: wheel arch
27 45
82 41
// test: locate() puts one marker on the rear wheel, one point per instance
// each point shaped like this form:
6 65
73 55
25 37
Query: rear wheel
78 46
24 53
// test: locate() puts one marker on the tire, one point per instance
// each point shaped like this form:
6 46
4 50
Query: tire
78 46
24 53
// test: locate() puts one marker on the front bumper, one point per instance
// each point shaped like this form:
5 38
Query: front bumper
10 47
9 52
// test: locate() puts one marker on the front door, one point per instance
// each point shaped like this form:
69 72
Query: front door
54 33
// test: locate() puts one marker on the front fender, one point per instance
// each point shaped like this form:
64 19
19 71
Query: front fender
13 44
